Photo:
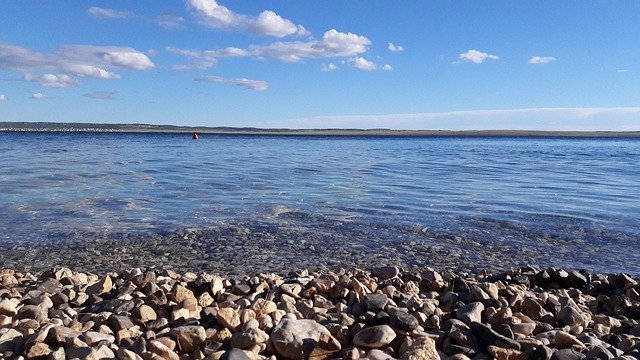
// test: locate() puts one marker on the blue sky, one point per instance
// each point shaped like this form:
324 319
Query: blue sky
550 65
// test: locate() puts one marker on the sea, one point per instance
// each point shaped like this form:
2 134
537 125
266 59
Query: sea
579 194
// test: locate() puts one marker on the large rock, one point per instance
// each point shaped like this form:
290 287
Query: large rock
487 336
470 312
189 337
423 348
374 336
570 316
103 286
302 339
229 318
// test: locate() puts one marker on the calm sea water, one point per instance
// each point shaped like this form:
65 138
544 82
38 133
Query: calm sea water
584 192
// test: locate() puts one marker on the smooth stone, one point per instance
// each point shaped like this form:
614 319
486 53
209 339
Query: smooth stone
565 340
93 337
567 354
374 302
376 354
404 321
58 335
523 328
35 312
302 339
471 312
249 337
145 313
487 336
7 307
386 272
162 350
570 316
374 336
234 354
423 348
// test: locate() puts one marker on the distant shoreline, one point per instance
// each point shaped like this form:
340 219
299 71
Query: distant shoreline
147 128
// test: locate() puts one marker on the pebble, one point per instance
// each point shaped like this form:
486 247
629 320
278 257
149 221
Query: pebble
374 336
388 313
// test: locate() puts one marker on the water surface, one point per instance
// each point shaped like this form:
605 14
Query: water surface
582 195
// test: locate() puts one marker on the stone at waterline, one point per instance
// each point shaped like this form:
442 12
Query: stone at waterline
302 339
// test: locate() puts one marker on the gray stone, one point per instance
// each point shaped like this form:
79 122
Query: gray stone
471 312
374 302
302 339
487 336
234 354
403 321
386 272
374 336
570 316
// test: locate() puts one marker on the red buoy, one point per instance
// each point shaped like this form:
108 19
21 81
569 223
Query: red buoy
195 136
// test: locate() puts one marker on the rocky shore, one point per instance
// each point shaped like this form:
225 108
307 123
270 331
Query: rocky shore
384 313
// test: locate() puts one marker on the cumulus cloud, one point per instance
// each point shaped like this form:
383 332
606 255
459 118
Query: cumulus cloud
101 95
267 23
541 59
255 85
38 96
362 63
329 67
104 13
332 44
54 81
272 24
477 57
72 60
387 67
621 71
395 48
170 20
3 97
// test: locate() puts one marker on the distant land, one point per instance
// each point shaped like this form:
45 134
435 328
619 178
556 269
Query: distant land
220 130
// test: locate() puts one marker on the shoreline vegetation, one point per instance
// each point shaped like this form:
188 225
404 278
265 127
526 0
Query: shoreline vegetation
147 128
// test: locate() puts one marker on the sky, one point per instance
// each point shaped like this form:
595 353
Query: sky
450 65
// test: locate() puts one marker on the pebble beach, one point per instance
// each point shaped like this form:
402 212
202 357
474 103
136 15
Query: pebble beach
381 313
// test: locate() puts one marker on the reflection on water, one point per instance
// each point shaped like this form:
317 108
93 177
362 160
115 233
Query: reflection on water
529 190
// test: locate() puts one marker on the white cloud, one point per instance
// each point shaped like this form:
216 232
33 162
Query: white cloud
101 95
255 85
477 57
268 23
169 20
272 24
103 13
362 63
557 119
395 48
329 67
38 96
3 97
72 60
387 67
541 59
54 81
621 71
332 44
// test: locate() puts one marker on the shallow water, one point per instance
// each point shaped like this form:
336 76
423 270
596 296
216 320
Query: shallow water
579 196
